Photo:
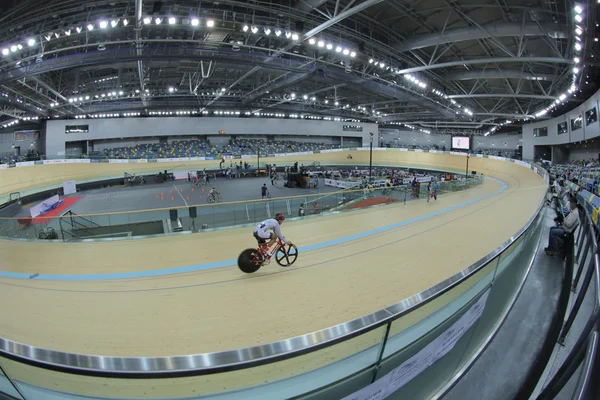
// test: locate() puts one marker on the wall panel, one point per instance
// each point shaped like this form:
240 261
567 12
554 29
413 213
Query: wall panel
122 128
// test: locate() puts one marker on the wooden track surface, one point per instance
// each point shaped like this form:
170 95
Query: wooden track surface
222 309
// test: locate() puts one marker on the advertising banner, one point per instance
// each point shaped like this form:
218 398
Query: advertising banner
403 149
498 158
458 153
59 161
523 163
38 208
3 165
117 161
426 357
78 161
25 164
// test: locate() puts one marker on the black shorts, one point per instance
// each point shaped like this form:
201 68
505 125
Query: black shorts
262 240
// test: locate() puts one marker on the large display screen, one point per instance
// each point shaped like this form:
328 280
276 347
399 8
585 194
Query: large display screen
461 142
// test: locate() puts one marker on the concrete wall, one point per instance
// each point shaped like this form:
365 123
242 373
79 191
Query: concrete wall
584 133
126 128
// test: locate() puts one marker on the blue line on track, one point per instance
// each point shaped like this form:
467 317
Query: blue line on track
220 264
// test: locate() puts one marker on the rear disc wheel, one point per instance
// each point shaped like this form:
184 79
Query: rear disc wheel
246 261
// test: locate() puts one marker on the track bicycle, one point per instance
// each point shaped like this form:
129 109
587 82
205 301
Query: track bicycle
215 198
250 260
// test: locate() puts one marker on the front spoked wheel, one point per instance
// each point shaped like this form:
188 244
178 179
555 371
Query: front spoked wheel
286 255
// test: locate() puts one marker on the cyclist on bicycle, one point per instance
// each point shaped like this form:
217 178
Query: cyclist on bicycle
213 193
262 231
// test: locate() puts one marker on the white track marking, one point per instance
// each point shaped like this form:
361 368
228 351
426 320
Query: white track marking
180 195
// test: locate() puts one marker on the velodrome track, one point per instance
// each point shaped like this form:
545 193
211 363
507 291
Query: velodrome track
118 298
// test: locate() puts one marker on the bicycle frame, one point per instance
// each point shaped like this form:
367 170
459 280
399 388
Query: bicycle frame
268 252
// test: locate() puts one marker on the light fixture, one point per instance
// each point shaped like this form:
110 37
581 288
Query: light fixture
223 89
576 59
267 31
578 9
114 23
120 93
172 20
157 20
578 18
353 54
125 22
305 97
329 46
295 36
575 70
147 20
277 32
13 48
103 24
210 23
312 41
346 52
578 31
56 35
254 29
90 27
245 28
577 46
68 32
171 90
321 43
78 29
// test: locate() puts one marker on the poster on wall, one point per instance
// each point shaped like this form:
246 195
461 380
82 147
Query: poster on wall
461 143
28 135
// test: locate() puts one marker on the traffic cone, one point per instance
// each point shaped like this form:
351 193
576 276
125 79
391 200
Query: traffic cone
202 190
157 196
171 191
180 190
187 197
192 190
172 198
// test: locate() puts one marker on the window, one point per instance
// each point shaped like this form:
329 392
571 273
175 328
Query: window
591 116
77 129
352 128
540 132
563 128
576 123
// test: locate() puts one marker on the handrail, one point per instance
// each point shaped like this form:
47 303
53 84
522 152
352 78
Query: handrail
211 363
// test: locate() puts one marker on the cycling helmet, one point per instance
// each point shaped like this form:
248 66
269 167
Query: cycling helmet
280 217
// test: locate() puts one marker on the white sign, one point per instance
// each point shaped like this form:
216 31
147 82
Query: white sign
79 161
331 150
497 158
246 156
59 161
25 164
69 187
479 155
60 153
117 161
38 208
523 163
458 153
3 165
403 149
419 150
418 363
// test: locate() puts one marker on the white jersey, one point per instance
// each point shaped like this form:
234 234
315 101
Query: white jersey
269 225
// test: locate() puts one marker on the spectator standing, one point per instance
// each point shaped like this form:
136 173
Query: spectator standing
264 191
557 234
436 187
429 191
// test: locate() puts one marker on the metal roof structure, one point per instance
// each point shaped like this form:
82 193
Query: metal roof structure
469 66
